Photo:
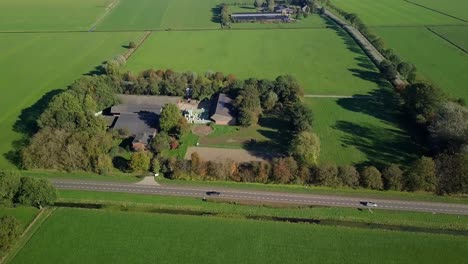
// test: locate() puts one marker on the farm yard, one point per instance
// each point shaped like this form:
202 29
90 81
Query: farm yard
152 237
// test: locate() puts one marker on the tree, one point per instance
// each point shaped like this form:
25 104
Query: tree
160 142
422 100
258 3
406 69
9 186
393 177
197 165
449 129
36 192
169 118
269 100
388 69
284 169
300 117
155 165
271 5
10 230
103 164
422 175
371 178
140 161
349 175
182 127
305 147
452 172
132 45
327 175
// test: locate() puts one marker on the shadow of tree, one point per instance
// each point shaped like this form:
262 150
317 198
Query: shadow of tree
215 12
381 145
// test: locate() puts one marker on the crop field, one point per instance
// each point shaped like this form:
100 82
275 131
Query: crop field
359 130
118 237
456 35
394 13
437 59
34 66
456 8
49 15
316 57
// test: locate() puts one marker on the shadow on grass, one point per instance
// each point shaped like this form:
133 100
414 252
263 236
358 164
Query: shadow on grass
215 14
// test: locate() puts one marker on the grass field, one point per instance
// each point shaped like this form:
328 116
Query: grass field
394 12
316 57
457 35
23 214
360 130
49 15
148 203
36 65
141 238
457 8
437 59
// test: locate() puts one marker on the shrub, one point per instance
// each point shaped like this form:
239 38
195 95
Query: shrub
371 178
10 229
349 175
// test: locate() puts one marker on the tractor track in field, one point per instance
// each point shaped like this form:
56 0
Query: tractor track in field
437 11
446 39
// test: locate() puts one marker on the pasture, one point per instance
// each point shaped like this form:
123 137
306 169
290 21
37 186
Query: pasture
36 66
394 13
50 15
438 60
360 130
324 61
456 8
118 237
456 35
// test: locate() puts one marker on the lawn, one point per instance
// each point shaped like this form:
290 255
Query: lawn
395 13
35 66
150 203
324 61
49 15
438 60
117 237
361 130
457 8
267 135
457 35
23 214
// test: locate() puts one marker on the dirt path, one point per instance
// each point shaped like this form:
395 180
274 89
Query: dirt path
220 154
109 8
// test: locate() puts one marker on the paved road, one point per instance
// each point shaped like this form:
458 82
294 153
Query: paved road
261 196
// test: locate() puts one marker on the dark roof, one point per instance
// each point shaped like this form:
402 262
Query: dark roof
223 106
136 108
258 16
137 123
144 138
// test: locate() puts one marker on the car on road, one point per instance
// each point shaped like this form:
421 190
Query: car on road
213 193
369 204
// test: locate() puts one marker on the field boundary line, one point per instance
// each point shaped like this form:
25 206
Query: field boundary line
27 234
437 11
140 42
446 39
109 8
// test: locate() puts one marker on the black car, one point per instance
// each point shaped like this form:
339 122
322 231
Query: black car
213 193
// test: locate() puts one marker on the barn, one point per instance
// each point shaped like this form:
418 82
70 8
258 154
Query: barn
222 112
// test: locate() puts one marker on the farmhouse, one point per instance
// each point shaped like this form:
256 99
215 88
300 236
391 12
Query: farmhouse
260 17
223 110
139 114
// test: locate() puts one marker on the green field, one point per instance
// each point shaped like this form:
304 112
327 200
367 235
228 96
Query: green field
118 237
360 130
36 65
316 57
456 35
457 8
23 214
394 12
438 60
150 203
48 15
